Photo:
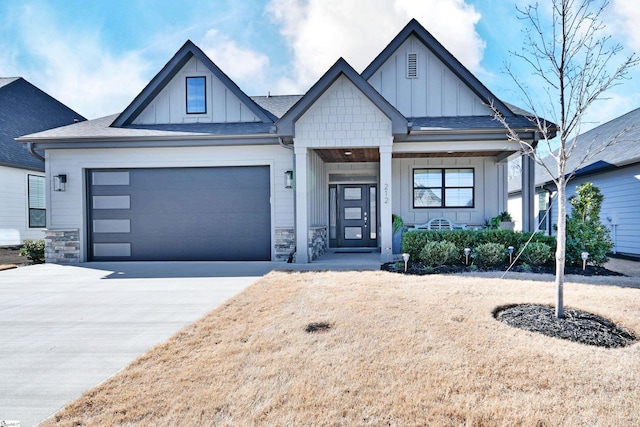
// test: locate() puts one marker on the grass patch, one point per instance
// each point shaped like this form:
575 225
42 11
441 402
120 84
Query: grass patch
401 351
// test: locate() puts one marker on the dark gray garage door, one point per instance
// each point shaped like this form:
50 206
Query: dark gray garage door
179 214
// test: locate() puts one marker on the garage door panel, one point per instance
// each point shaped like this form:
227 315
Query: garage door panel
179 201
183 214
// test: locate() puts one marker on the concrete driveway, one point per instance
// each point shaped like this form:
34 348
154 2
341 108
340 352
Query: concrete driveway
65 329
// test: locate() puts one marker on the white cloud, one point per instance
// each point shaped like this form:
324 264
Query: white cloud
624 20
244 66
318 32
76 68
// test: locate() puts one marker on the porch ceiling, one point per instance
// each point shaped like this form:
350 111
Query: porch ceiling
361 155
357 155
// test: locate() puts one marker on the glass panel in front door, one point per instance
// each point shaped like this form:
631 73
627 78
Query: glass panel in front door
357 215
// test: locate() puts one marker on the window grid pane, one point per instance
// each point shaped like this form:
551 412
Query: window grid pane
429 191
426 178
459 197
458 177
196 95
37 201
427 198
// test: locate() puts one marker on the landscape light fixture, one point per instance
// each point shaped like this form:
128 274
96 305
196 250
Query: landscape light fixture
405 258
60 182
467 252
288 179
510 249
584 256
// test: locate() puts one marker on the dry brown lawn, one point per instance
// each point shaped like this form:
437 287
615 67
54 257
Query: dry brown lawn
403 351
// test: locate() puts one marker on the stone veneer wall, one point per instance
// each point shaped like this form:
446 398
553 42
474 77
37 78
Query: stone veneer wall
62 246
317 242
285 243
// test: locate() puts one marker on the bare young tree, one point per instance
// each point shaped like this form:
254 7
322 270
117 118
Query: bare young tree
571 58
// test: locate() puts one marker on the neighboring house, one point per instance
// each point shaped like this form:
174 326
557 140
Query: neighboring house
615 170
194 169
24 109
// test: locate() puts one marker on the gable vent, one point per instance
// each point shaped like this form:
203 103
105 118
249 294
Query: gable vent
412 65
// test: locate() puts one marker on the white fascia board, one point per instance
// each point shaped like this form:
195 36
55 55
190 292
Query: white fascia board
123 142
455 146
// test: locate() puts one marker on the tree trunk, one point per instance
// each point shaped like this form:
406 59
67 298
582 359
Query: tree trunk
561 246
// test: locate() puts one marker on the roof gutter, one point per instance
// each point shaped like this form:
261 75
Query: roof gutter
32 151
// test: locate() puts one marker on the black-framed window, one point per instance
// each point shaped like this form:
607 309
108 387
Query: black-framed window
196 95
37 201
443 188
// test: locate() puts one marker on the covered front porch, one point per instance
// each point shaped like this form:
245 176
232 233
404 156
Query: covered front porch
346 196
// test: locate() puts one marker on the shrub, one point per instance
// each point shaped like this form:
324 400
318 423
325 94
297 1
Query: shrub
490 254
585 232
33 250
398 223
435 254
505 238
502 217
413 242
536 253
538 237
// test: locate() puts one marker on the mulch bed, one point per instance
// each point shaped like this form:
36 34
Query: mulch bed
417 268
10 258
578 326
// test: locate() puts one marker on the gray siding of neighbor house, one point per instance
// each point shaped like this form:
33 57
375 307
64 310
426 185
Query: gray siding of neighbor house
621 190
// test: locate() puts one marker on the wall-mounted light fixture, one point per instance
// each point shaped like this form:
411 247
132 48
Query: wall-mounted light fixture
288 179
60 182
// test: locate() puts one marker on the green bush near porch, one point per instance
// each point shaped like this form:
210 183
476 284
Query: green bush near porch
414 242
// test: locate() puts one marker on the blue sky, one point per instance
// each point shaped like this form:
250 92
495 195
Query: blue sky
96 56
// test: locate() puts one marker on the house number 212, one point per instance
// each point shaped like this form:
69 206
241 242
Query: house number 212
386 194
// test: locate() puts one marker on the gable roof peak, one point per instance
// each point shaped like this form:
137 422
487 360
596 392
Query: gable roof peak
170 70
416 29
286 124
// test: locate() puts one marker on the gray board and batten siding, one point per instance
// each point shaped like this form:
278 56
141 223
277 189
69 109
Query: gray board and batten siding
180 214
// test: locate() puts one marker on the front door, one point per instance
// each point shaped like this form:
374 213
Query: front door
357 216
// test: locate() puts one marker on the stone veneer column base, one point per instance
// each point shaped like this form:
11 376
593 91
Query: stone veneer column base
285 243
62 246
317 241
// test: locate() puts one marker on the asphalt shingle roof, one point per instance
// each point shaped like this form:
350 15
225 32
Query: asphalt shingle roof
467 122
101 129
276 105
623 151
26 109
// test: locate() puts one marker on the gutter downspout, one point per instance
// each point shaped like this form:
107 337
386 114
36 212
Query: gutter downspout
295 219
32 151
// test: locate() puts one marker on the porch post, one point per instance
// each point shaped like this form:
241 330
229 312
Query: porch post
386 194
528 194
302 218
